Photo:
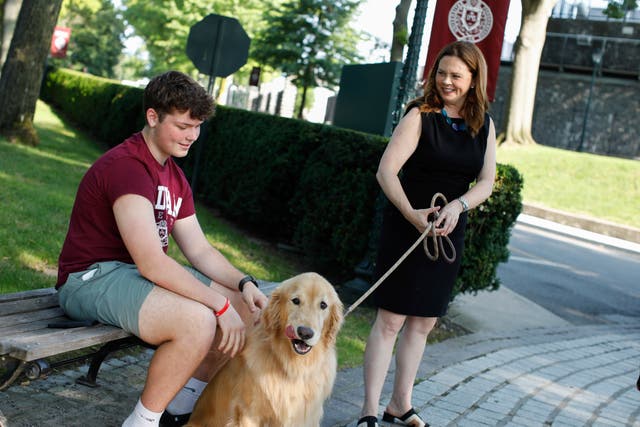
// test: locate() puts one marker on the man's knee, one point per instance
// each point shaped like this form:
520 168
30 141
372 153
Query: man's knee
200 326
185 320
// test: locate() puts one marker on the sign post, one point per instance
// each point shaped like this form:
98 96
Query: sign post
218 46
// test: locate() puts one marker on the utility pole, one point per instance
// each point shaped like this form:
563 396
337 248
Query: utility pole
410 67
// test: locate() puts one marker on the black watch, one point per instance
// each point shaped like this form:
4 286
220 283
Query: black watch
245 279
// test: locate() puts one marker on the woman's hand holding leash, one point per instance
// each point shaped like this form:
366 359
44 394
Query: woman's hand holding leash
428 230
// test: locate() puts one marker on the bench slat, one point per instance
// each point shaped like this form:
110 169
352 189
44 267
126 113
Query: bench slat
34 293
33 316
60 341
8 331
31 304
38 334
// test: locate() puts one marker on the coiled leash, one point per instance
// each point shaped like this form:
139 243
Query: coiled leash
437 243
437 239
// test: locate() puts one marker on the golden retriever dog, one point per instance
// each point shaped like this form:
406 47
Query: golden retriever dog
288 365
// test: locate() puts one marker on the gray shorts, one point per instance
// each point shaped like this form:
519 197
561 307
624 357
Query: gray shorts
110 292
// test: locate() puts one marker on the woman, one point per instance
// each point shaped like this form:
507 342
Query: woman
445 141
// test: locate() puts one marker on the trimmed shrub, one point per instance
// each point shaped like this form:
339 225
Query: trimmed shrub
488 232
104 108
250 164
334 202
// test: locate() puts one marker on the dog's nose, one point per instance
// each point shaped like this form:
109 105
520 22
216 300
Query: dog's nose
305 333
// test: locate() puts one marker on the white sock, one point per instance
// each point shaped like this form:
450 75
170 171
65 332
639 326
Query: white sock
142 417
186 398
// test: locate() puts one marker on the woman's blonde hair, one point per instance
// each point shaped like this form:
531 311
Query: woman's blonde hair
476 103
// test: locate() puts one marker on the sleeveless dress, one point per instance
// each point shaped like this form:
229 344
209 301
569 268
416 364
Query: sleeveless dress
445 161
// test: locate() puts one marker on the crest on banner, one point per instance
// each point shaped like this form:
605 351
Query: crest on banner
470 20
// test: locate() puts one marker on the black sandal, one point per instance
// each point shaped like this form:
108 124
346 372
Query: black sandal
368 421
410 418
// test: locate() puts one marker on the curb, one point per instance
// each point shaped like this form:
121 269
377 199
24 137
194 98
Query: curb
578 233
606 228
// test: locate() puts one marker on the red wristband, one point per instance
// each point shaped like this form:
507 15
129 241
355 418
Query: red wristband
224 308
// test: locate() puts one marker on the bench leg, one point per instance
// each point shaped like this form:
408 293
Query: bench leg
13 367
92 374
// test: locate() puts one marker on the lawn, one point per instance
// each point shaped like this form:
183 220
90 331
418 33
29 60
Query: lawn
596 186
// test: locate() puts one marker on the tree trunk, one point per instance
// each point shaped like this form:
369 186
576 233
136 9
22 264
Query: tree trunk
524 80
400 30
302 102
24 67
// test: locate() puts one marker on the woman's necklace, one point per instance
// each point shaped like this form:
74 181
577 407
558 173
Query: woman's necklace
457 127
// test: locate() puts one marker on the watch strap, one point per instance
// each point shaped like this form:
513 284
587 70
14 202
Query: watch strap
245 280
464 203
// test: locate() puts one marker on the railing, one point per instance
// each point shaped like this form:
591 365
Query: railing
583 10
618 56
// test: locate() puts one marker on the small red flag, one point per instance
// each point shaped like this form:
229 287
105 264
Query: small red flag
477 21
60 42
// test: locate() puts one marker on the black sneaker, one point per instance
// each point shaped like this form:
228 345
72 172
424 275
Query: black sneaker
169 420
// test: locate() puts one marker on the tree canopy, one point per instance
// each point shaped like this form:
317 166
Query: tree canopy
164 25
309 40
618 9
97 30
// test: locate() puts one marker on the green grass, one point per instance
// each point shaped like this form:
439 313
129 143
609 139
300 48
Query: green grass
37 187
596 186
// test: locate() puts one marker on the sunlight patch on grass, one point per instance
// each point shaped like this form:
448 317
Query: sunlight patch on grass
58 158
591 185
36 263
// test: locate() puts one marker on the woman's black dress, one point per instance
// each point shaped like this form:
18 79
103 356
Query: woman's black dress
445 161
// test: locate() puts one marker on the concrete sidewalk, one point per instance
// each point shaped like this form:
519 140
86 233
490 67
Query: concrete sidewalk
521 366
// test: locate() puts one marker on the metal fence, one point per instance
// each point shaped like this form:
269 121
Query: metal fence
613 56
589 10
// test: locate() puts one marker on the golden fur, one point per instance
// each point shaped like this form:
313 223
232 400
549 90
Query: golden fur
269 384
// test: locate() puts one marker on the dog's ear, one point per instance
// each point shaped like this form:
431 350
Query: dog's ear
272 314
335 319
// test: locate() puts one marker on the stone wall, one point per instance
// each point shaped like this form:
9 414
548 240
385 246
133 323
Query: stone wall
613 121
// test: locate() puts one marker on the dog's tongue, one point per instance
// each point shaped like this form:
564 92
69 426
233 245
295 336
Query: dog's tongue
290 332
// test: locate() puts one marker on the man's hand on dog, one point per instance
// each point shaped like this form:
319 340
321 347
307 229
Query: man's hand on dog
233 332
254 298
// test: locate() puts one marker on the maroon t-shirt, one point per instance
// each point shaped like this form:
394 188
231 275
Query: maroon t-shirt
128 168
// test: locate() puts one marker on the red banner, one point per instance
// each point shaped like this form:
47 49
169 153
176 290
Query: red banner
477 21
60 42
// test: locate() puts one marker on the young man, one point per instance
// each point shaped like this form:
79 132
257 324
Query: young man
114 267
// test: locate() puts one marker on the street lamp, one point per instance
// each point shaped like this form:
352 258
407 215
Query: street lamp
597 60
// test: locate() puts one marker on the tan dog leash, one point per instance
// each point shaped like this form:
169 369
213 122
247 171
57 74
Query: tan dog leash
437 242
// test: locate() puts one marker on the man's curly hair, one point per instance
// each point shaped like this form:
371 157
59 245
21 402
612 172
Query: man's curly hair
175 91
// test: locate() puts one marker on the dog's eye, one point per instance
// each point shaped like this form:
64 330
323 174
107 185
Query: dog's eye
323 305
296 301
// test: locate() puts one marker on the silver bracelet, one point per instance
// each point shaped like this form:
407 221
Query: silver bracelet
464 203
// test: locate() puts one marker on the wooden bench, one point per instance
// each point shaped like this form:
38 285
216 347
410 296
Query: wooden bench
26 340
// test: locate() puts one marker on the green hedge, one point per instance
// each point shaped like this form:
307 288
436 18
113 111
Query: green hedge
296 182
488 232
104 108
